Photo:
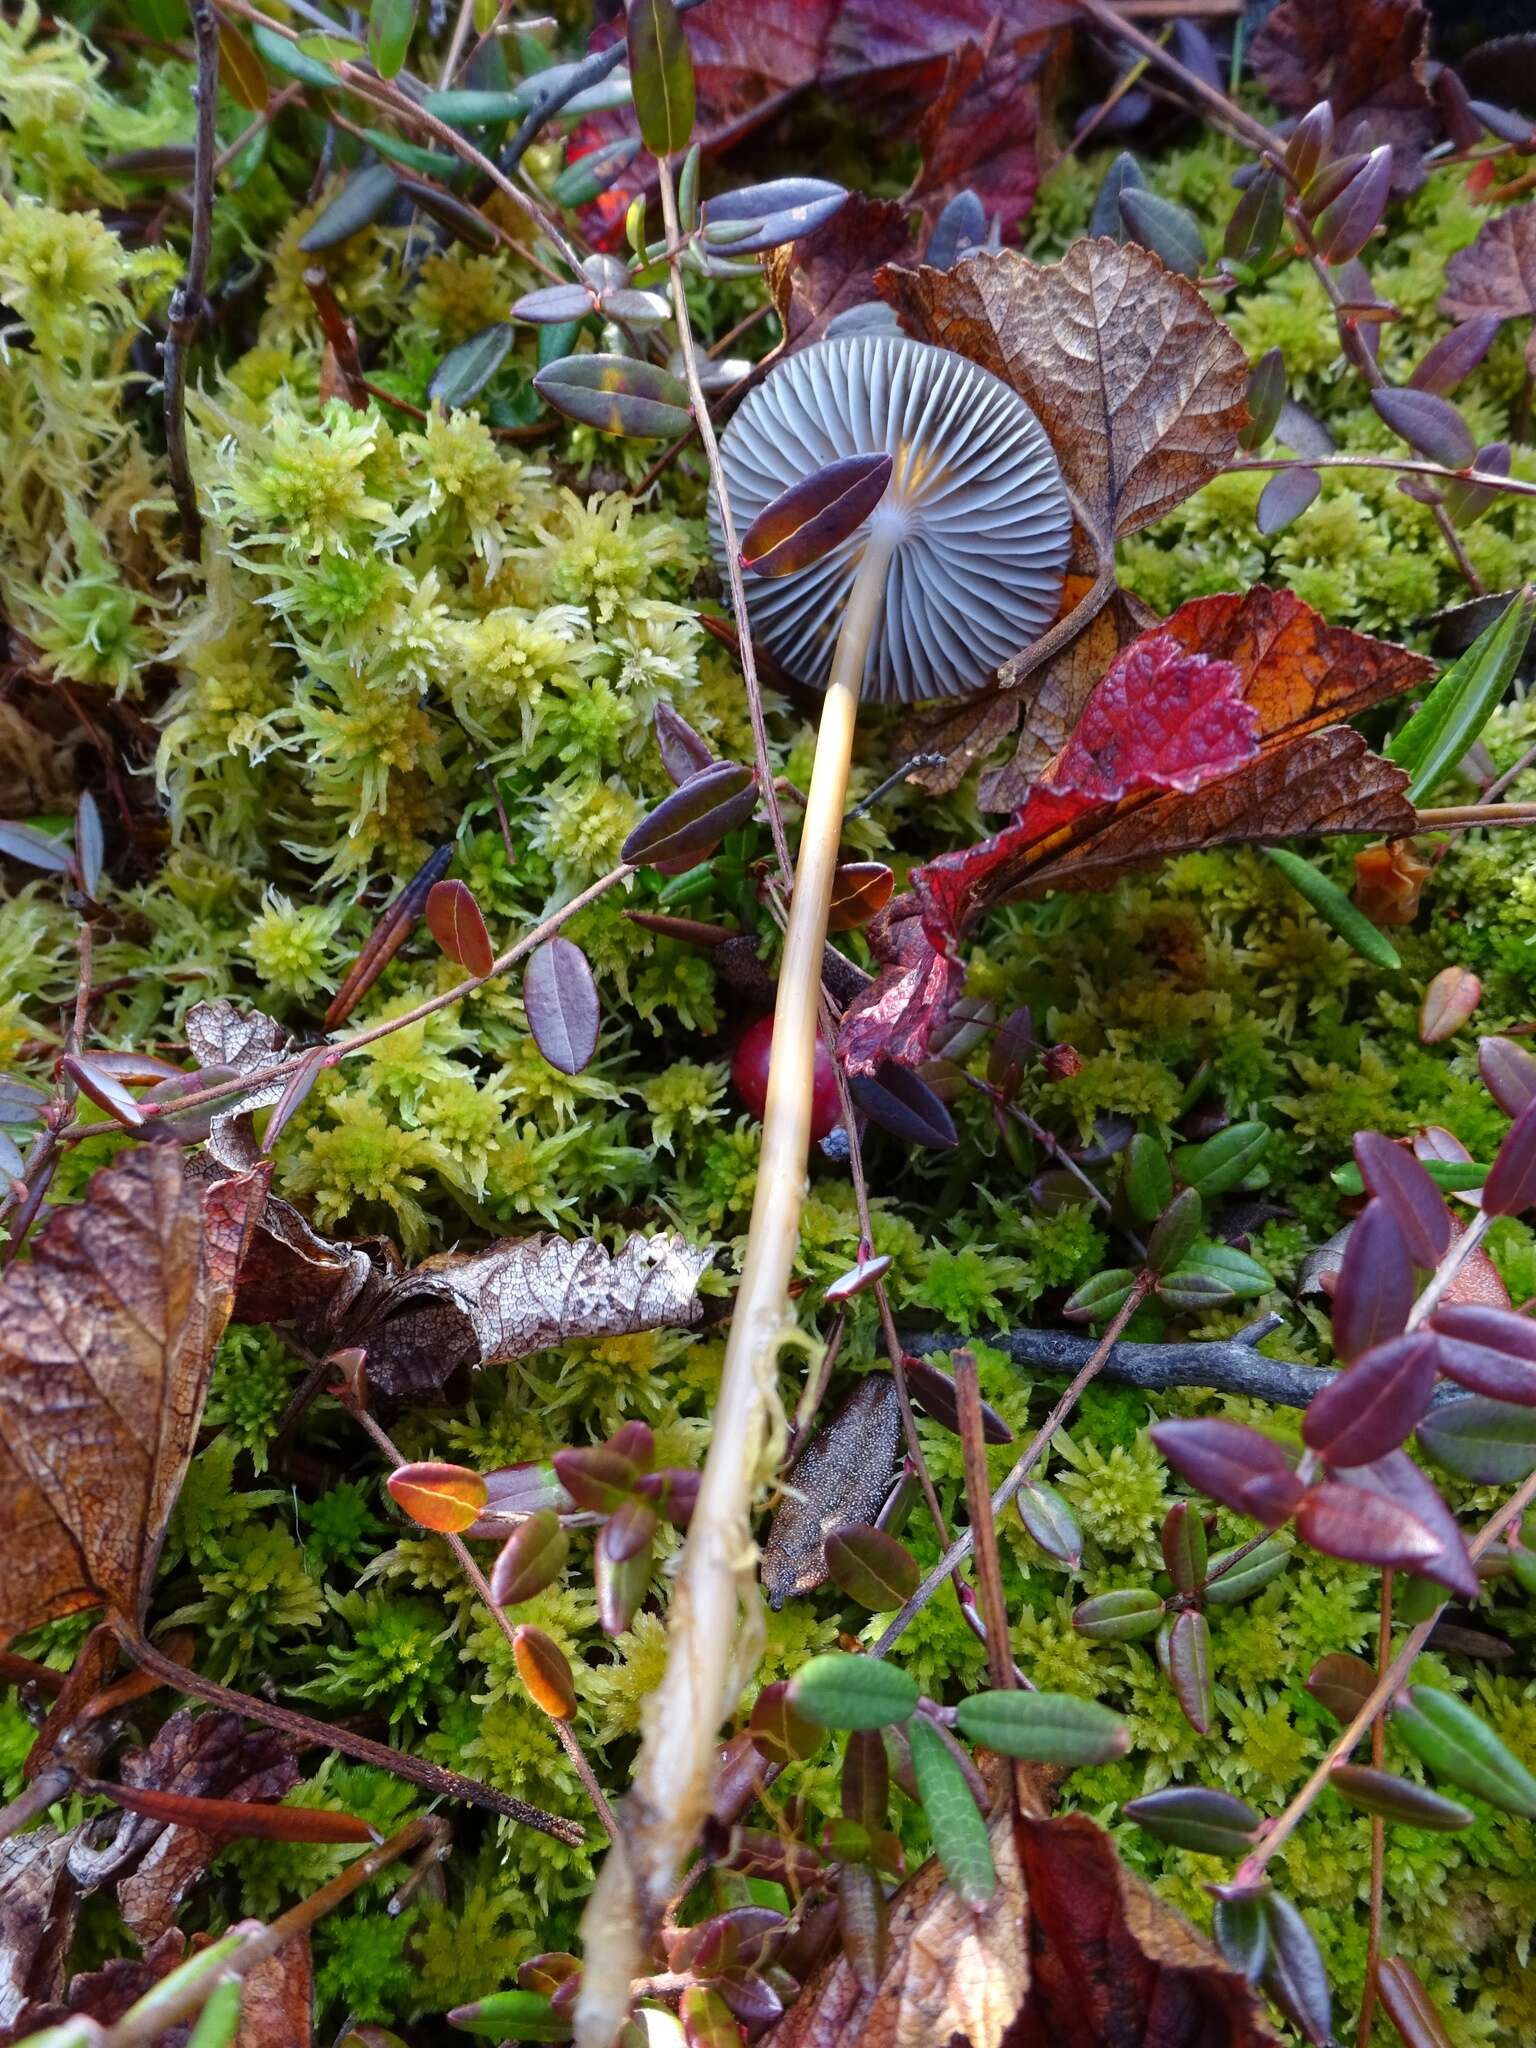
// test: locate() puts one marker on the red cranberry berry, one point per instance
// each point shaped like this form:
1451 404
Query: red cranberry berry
749 1071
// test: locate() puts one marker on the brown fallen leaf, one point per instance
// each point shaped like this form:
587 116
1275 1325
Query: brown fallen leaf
1497 274
832 269
246 1042
1367 59
1071 1951
212 1756
38 1906
842 1475
107 1338
981 130
1140 387
524 1294
106 1994
277 2005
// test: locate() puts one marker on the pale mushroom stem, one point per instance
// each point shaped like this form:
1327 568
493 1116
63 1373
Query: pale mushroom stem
669 1793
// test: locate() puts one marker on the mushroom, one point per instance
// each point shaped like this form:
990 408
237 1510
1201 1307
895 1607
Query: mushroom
959 563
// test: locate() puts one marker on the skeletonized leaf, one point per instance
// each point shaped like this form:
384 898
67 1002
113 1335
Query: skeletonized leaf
560 1001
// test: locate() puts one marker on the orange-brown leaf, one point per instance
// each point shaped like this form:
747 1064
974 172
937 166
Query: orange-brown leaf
832 269
447 1498
545 1669
231 1817
1140 387
107 1338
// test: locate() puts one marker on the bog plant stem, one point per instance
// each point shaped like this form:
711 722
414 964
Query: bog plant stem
669 1794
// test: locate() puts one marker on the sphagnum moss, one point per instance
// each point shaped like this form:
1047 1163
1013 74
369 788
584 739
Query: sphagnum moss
393 617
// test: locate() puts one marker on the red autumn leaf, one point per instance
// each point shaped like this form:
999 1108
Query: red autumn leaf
1370 1409
1398 1480
752 58
1373 1290
1367 60
894 1019
980 131
1235 1465
1365 1528
454 920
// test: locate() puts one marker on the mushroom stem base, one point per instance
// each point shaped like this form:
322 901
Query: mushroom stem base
669 1794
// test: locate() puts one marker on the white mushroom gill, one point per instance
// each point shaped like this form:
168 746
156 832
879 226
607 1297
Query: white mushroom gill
981 518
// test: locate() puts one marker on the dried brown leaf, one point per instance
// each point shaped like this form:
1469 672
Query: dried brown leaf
832 269
221 1034
277 2005
107 1338
524 1294
980 132
1140 387
1497 274
1071 1951
38 1905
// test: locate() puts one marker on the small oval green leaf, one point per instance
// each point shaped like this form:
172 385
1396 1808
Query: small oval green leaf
838 1690
1044 1727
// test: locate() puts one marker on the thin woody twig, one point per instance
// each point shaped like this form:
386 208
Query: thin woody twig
187 302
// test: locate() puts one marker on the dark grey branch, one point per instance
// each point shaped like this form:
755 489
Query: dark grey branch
1225 1367
188 300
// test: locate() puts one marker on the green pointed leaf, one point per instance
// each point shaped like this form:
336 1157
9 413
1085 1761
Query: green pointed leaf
1175 1231
1148 1178
954 1819
219 2021
1171 232
585 177
1335 908
661 75
356 206
513 2016
1458 1745
1101 1297
1222 1161
1050 1521
466 370
391 24
1121 1617
840 1690
288 57
1212 1274
1453 715
1262 1564
871 1567
1044 1727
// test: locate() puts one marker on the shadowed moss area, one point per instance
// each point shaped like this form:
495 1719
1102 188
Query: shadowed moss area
401 621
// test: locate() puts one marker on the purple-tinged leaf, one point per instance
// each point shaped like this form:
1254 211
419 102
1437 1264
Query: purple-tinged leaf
532 1558
858 1279
1492 1443
1399 1799
12 1165
1344 227
1391 1173
560 1002
871 1567
513 1490
1508 1073
1266 397
620 1588
1373 1406
1295 1977
1397 1479
780 1734
683 751
553 304
688 931
356 206
617 395
1187 1658
804 523
1449 1002
1341 1683
1489 1351
628 1531
1196 1817
1310 141
1303 432
1408 2005
1253 234
863 1923
901 1102
1428 423
1234 1465
1330 181
934 1392
21 1102
104 1089
1284 498
1510 1188
299 1083
1454 103
596 1476
1455 355
1364 1528
695 817
1184 1547
143 1069
1373 1291
866 1778
454 920
1240 1929
393 928
89 843
1466 501
36 849
1173 1235
673 1491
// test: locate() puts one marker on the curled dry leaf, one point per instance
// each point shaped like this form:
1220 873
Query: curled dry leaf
38 1906
1070 1951
1497 274
245 1042
107 1338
